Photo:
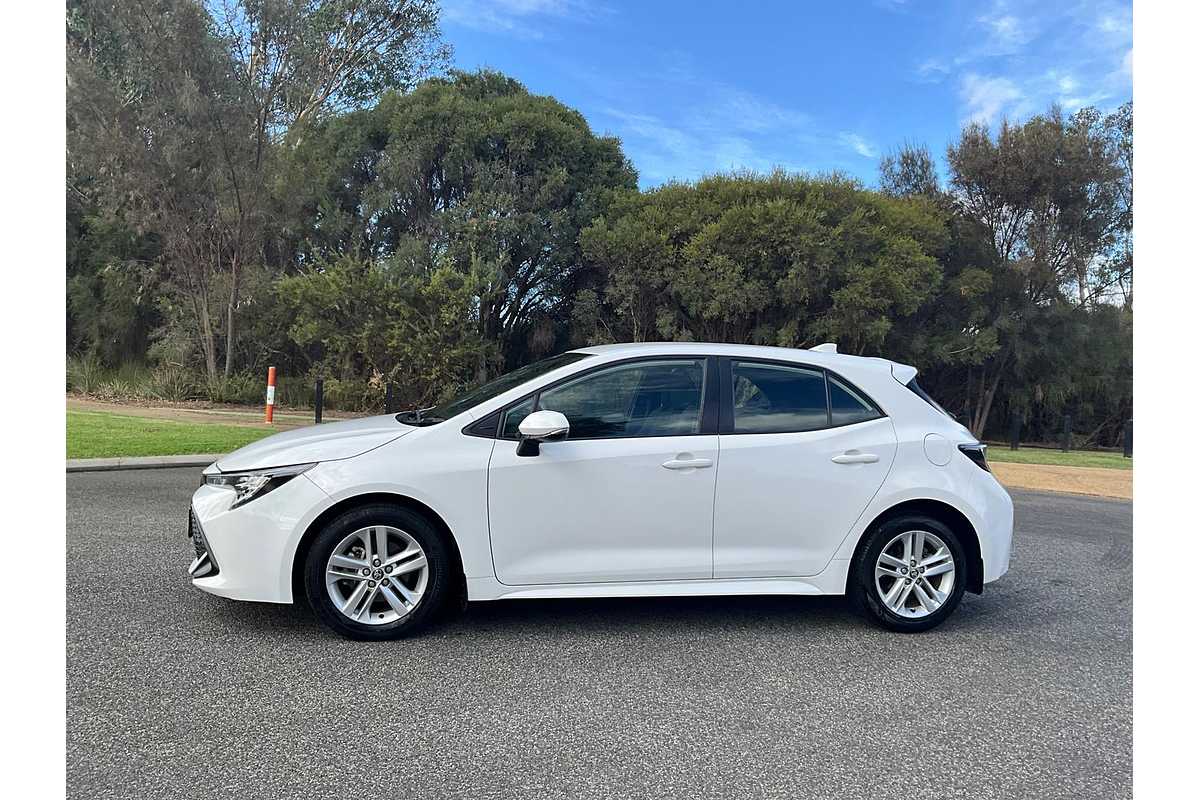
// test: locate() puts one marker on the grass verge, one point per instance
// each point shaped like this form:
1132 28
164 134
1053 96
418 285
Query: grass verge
94 434
1076 458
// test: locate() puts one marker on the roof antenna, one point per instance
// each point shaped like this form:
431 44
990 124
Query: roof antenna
828 347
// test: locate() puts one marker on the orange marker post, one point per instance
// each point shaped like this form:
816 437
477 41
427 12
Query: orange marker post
270 394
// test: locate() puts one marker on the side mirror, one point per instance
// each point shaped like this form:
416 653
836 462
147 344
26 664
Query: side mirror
538 427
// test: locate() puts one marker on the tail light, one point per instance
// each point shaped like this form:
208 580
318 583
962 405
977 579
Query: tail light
977 452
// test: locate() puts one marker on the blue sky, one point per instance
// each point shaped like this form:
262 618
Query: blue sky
696 87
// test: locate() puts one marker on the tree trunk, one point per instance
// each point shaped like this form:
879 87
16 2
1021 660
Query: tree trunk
229 329
207 340
987 395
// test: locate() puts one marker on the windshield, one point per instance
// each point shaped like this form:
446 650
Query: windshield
472 398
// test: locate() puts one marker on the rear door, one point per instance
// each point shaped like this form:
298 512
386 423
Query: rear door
802 454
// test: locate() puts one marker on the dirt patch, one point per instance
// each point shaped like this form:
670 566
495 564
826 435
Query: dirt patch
196 412
1077 480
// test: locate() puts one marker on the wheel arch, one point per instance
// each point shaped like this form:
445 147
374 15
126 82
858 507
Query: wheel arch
949 516
358 501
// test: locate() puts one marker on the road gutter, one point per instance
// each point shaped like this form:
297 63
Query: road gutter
140 462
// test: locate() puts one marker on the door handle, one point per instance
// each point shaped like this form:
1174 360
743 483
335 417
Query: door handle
855 457
688 463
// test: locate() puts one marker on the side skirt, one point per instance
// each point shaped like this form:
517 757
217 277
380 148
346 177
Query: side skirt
831 581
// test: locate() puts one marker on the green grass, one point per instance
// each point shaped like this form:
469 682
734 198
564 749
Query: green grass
1076 458
94 434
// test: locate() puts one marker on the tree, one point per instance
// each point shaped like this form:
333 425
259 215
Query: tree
409 327
176 110
909 171
1048 194
778 259
470 173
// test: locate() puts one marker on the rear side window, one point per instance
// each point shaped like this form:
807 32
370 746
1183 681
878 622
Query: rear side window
771 398
847 406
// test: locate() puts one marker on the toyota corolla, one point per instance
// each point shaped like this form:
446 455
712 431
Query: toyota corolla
636 470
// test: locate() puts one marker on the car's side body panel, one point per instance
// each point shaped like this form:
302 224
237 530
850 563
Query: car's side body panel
783 506
440 468
447 470
602 510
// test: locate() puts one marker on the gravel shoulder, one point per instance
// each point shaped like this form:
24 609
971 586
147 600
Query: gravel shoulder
1096 481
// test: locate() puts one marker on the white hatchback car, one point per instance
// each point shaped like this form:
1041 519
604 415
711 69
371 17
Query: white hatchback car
617 471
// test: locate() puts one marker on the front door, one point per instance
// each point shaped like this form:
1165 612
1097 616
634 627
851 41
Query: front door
627 496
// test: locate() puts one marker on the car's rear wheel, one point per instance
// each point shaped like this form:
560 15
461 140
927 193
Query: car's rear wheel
910 574
378 572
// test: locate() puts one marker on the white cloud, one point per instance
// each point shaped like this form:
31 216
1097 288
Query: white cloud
988 99
520 18
1006 33
732 108
932 70
858 144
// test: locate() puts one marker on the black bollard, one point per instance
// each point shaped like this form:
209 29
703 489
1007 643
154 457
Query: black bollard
319 399
1129 438
1066 434
387 400
1014 433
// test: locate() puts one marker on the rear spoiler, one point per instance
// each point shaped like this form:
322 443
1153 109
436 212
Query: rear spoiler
903 372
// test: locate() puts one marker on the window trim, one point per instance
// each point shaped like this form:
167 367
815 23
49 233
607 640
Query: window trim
726 424
709 410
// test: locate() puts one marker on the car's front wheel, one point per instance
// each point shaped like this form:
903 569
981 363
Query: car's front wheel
378 572
909 575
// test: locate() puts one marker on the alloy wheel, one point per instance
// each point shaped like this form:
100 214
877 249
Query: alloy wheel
914 574
377 575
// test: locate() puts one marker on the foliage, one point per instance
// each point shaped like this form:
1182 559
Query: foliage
781 260
268 182
406 326
177 112
909 172
470 179
84 373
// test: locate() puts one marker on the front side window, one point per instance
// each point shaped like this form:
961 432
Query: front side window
643 398
772 398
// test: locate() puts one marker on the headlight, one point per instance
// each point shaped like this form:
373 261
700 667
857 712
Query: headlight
255 483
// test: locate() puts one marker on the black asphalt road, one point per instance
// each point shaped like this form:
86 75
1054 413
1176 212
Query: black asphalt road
1025 692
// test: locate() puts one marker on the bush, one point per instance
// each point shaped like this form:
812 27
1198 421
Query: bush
241 387
172 383
84 374
354 395
117 389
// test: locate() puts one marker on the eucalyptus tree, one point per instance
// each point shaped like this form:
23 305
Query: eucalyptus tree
177 110
470 173
1053 197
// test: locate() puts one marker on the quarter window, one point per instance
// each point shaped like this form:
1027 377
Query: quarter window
771 398
513 417
644 398
847 406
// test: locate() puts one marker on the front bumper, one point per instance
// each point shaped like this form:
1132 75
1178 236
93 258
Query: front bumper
254 545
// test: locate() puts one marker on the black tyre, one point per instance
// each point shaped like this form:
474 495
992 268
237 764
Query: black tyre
909 575
379 572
